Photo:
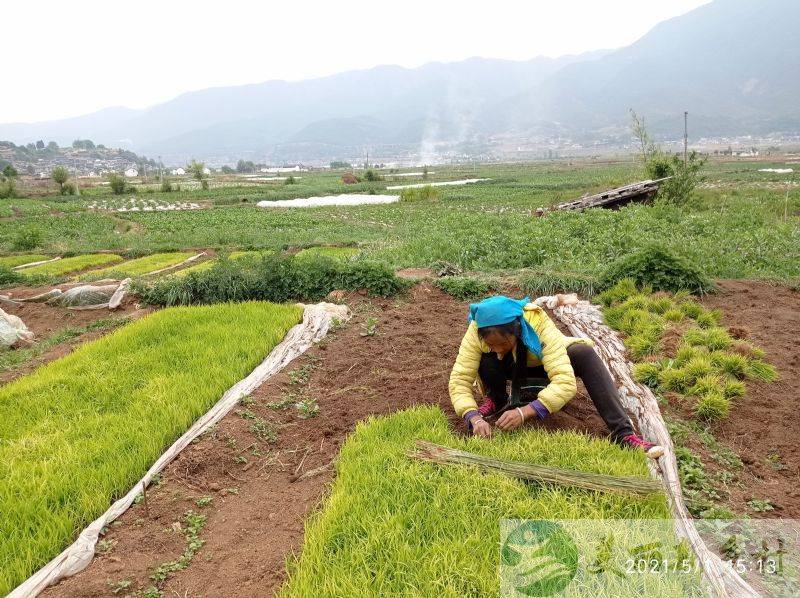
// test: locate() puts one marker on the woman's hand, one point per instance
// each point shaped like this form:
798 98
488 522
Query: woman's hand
481 427
512 419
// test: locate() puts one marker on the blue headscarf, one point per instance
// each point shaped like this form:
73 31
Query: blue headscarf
499 310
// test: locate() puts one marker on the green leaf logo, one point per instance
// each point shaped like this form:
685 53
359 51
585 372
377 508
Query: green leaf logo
540 558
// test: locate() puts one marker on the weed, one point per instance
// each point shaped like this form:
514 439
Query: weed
282 403
660 267
759 370
247 401
300 375
775 462
370 327
264 430
760 506
464 288
119 586
104 546
240 459
191 528
204 501
246 414
307 408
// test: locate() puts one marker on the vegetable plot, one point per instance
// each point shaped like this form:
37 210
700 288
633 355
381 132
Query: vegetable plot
75 434
142 265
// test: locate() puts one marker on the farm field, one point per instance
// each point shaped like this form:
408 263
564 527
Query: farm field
741 231
70 264
70 443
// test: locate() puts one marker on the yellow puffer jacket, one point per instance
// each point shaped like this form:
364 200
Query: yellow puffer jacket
555 360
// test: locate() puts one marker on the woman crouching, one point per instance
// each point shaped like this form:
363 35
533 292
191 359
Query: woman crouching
500 330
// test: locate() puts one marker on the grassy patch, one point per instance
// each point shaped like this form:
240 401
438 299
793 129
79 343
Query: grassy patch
335 253
142 265
465 288
12 261
79 431
208 264
397 526
70 264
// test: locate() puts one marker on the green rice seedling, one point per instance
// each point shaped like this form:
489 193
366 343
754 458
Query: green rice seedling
691 309
644 344
661 305
70 264
694 337
717 338
638 321
730 364
712 407
705 385
396 526
747 350
140 266
698 367
80 431
760 370
674 315
12 261
733 389
682 295
208 264
686 353
647 373
335 253
709 319
618 293
539 283
638 301
674 380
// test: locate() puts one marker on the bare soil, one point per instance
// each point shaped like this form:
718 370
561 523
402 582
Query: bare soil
766 421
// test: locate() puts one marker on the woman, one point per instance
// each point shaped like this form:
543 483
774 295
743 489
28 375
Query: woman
501 329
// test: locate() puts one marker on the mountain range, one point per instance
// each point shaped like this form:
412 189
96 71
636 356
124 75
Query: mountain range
732 64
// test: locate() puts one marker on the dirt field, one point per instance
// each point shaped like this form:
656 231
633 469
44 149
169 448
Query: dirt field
259 501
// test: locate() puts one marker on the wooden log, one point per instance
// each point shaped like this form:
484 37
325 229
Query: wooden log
586 321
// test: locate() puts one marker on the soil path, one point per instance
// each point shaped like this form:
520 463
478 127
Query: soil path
766 422
259 502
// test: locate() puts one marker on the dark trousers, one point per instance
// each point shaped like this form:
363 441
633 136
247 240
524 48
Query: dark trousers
587 366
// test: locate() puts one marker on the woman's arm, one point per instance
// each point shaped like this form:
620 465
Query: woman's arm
562 387
464 372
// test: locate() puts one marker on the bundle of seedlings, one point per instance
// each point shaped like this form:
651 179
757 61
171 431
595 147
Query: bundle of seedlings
427 451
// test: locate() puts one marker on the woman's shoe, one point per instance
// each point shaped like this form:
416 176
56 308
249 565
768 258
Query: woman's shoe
634 441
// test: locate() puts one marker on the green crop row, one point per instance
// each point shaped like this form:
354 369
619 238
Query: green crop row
139 266
397 526
70 264
78 432
12 261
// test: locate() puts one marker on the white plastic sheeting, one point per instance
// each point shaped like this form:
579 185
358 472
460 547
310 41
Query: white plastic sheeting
317 320
12 330
441 184
345 199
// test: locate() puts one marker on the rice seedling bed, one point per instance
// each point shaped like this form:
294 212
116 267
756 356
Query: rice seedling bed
12 261
79 431
71 264
208 264
397 526
140 266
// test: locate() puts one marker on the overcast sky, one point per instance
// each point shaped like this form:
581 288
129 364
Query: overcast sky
66 58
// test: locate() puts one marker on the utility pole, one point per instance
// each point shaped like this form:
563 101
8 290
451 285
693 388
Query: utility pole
685 138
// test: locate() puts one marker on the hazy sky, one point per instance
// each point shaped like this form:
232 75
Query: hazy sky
68 58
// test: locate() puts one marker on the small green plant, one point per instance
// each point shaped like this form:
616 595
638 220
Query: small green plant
105 545
760 506
27 237
150 592
300 375
247 401
659 267
464 288
282 403
240 459
264 430
246 414
204 501
370 327
307 408
775 462
119 586
192 525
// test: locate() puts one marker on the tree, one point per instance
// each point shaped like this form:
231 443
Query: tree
682 177
198 172
227 170
9 179
52 146
117 183
40 145
60 176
